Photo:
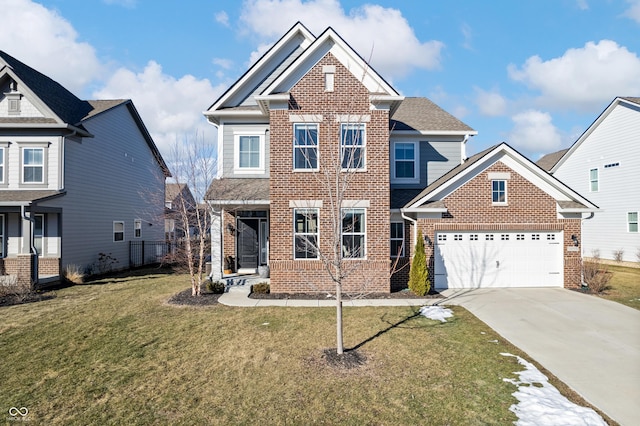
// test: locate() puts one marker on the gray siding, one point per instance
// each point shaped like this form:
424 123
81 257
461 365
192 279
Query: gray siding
112 177
229 131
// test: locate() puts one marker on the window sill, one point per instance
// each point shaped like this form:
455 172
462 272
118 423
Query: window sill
305 170
500 204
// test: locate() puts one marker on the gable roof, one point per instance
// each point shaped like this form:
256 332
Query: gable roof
422 115
547 162
64 104
69 110
635 101
568 200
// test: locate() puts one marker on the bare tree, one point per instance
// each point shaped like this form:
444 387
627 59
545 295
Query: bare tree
193 163
342 249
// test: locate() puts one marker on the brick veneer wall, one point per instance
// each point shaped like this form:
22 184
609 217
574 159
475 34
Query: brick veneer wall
308 97
529 209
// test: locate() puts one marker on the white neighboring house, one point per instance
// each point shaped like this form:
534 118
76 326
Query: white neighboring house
604 166
77 178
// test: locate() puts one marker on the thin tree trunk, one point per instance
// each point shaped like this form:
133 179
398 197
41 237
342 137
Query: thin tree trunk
340 346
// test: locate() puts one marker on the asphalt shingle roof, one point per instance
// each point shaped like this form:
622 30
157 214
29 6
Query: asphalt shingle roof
423 115
238 189
548 161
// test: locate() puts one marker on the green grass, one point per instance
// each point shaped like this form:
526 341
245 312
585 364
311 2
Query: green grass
113 352
625 286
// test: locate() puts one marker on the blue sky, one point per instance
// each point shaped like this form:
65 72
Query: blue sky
533 73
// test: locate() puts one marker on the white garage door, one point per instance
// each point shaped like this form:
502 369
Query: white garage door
498 259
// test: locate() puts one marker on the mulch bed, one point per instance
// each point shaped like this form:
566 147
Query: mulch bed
403 294
185 298
11 300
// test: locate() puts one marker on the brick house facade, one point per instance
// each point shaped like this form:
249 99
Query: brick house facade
276 193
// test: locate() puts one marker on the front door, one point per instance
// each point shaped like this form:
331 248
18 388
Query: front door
248 247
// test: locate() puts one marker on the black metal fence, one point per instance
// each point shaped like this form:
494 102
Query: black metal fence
149 252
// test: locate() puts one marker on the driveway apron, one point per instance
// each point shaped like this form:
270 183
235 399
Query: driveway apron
591 344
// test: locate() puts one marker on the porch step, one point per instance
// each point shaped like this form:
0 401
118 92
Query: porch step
242 284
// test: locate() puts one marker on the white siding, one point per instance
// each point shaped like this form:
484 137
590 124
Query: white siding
615 140
228 162
112 177
14 166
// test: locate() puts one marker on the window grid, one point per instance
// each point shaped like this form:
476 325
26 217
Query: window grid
137 228
473 237
551 237
118 231
504 237
520 237
535 237
397 239
305 233
488 237
33 165
442 237
499 191
457 237
405 160
594 182
353 233
352 142
305 146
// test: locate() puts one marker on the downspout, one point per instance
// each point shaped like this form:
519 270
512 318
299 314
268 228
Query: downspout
32 248
463 146
415 228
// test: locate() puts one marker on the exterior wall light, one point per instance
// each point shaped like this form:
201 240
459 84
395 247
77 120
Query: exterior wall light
575 240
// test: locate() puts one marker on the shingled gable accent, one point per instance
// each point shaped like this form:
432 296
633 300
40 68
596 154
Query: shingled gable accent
297 36
568 200
634 101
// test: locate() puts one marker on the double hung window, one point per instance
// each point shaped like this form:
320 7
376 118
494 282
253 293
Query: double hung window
397 239
352 145
594 182
632 221
305 233
118 231
353 233
33 165
499 191
305 146
405 160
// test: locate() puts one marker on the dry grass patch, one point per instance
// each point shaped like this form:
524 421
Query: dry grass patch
624 286
113 352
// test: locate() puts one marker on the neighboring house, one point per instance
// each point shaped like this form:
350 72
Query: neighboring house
179 205
604 165
279 129
76 178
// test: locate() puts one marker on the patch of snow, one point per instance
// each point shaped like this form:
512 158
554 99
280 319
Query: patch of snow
542 404
437 313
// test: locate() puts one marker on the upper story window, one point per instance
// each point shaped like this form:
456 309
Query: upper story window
2 165
594 181
353 233
305 146
499 191
405 161
249 153
352 145
33 165
305 233
632 221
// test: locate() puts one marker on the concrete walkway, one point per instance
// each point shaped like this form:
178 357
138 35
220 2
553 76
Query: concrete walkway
591 344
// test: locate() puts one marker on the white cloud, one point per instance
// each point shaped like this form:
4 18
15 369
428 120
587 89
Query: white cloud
582 4
534 132
50 45
582 78
491 103
222 18
171 108
223 63
467 35
381 35
634 10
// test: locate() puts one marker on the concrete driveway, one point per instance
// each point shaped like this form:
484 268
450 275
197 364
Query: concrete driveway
591 344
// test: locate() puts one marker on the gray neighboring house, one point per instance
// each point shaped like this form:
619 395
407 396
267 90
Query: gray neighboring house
604 164
79 179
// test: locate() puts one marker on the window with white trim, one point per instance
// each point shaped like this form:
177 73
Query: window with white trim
249 153
33 165
352 145
594 181
118 231
305 233
405 161
137 228
38 232
397 239
499 191
2 168
632 221
353 233
305 146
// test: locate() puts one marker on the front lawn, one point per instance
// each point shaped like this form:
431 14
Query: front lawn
114 352
625 286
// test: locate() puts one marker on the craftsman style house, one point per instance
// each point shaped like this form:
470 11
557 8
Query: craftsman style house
604 164
320 157
77 178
